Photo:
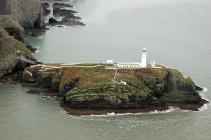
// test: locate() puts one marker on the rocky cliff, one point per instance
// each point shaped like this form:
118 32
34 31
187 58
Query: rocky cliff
93 86
29 13
10 49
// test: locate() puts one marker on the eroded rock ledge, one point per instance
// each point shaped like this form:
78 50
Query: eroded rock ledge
62 14
90 86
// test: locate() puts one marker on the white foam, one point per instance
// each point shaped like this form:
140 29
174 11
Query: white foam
171 109
204 107
201 93
102 115
204 89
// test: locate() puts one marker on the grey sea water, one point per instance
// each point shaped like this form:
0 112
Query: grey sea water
176 33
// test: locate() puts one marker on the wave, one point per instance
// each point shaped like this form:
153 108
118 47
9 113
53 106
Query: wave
201 93
111 114
204 107
203 96
204 89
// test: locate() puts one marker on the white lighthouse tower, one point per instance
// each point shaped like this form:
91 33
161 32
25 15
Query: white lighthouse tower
144 58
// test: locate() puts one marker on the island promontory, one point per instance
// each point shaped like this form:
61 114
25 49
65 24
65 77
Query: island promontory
93 87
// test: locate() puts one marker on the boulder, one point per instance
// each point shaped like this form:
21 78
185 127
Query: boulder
53 21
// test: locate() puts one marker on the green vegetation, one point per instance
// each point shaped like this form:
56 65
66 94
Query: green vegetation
180 97
88 76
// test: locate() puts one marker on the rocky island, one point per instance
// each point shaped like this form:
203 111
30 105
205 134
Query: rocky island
91 88
86 88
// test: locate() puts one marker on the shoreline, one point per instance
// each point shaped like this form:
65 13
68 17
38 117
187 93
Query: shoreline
102 111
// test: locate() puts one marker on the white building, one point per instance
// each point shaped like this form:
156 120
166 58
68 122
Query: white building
136 65
153 64
128 65
144 58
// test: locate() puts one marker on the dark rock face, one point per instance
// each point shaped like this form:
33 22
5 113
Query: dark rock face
45 5
46 10
61 5
68 19
53 21
67 16
29 13
65 21
62 12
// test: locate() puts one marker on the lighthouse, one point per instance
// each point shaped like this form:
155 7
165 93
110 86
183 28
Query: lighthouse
144 58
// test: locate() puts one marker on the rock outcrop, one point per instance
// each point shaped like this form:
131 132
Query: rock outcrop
92 86
46 10
63 11
10 49
29 13
61 5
